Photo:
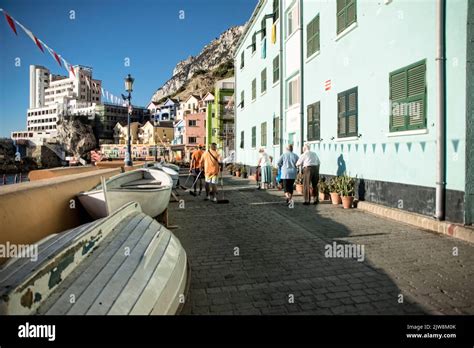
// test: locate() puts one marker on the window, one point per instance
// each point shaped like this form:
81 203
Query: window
276 10
276 69
254 42
263 134
192 123
263 28
346 14
293 92
292 21
276 130
242 139
254 137
254 89
242 59
313 122
408 98
312 37
242 99
192 140
263 81
347 113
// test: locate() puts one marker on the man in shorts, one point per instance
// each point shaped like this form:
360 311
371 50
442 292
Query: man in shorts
211 166
195 168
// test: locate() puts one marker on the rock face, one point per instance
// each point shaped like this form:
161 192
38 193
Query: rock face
8 165
76 136
220 51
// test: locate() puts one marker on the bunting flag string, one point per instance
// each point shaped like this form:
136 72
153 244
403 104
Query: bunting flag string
13 23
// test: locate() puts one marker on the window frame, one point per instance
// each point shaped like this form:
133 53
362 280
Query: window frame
263 134
263 81
408 99
242 139
315 135
314 36
276 130
342 12
276 69
347 113
254 137
254 89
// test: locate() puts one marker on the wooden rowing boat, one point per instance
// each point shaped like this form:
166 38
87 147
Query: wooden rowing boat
164 167
124 264
150 188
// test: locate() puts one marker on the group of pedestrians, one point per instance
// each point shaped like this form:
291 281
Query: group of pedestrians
288 169
207 164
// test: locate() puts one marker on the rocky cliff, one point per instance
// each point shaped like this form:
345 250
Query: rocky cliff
196 75
76 135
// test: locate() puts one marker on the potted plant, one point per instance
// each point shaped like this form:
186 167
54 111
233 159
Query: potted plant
334 190
323 189
237 171
274 176
244 172
299 183
230 168
346 188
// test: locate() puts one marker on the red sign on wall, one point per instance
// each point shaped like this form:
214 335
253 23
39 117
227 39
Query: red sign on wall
327 85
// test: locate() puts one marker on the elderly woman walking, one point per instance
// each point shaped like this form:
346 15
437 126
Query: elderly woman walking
287 163
265 168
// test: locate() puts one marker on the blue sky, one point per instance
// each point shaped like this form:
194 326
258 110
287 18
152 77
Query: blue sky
102 35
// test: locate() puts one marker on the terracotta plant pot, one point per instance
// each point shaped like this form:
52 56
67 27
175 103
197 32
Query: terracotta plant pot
347 201
323 196
237 174
335 198
299 188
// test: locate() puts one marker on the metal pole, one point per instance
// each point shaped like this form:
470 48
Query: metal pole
441 110
129 145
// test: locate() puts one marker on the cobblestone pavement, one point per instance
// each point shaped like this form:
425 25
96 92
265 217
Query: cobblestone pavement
281 267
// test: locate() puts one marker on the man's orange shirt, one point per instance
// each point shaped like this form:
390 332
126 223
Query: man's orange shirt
211 165
196 158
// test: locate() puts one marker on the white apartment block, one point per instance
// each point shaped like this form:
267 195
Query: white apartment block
53 96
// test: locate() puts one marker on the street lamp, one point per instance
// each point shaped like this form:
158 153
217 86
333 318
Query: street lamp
129 88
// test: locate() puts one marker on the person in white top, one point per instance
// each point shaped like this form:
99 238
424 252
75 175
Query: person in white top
265 168
310 162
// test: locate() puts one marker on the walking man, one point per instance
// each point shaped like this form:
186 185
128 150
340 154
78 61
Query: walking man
195 168
309 160
287 163
210 163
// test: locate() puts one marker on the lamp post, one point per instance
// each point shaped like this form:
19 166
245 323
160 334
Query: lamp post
129 88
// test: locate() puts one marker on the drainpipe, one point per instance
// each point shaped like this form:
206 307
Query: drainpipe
280 15
301 77
441 109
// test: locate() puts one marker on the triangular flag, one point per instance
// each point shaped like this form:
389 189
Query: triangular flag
11 22
88 81
57 59
103 94
72 70
32 37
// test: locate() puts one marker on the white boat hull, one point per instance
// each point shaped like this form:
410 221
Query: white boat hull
153 198
89 261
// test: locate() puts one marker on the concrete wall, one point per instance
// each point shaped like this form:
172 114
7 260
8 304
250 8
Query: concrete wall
33 210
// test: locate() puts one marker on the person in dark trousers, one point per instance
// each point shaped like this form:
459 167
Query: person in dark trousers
287 163
195 168
309 160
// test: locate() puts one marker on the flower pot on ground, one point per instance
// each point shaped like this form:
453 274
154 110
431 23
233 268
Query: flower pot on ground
323 189
334 191
299 183
230 168
237 173
244 172
347 187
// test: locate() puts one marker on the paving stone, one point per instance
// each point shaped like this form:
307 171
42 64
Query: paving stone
284 254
